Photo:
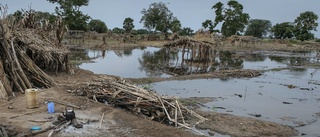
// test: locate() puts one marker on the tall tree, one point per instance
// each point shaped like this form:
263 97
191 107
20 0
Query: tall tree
128 24
157 17
283 30
70 11
175 25
304 24
232 17
258 28
97 25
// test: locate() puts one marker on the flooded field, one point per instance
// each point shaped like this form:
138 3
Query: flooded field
288 92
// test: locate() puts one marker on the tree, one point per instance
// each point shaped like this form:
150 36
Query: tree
97 25
117 30
304 24
258 28
233 18
283 30
185 31
128 24
70 11
142 31
208 24
175 26
157 17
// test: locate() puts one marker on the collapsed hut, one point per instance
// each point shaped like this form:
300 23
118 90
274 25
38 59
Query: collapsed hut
197 55
27 50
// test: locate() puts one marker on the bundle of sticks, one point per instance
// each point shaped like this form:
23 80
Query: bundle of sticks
140 101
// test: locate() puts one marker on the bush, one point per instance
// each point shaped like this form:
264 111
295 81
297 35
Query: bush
293 41
317 40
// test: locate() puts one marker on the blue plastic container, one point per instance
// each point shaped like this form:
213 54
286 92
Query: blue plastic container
50 107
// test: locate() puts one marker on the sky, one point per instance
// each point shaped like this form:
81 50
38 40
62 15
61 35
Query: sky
191 13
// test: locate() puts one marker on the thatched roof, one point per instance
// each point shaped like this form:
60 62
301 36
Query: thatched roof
44 46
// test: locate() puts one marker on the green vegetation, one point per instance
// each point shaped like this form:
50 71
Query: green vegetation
98 26
128 24
186 31
158 18
208 24
117 30
283 30
70 11
175 25
304 24
258 28
232 18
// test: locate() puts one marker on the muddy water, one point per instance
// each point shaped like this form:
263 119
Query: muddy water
289 96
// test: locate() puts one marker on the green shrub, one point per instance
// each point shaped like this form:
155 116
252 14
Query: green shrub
317 40
293 41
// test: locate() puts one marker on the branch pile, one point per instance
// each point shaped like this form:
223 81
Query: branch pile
24 52
139 101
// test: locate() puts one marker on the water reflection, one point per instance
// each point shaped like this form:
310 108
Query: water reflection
165 62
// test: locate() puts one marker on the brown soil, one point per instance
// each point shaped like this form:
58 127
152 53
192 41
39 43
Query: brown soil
18 119
116 122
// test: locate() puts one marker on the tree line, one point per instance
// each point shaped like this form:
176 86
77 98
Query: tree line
157 18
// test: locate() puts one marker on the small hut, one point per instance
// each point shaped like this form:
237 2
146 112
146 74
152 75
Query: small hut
25 52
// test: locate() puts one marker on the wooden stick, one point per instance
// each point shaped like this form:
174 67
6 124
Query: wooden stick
176 117
4 132
24 114
60 128
178 106
24 78
101 120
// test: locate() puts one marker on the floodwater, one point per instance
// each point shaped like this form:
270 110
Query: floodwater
287 96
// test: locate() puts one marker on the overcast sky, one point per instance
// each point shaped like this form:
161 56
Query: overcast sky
191 13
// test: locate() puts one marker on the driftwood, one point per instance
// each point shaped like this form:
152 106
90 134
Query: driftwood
139 101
